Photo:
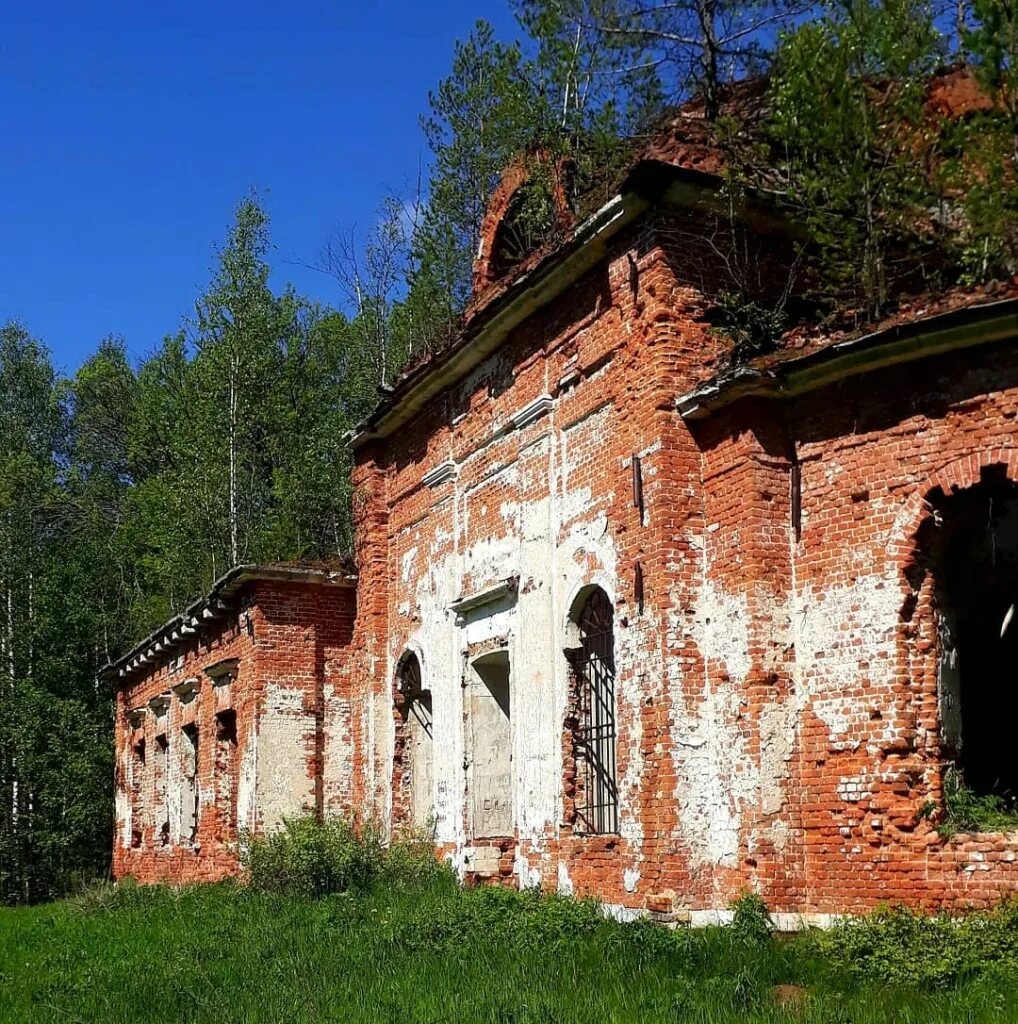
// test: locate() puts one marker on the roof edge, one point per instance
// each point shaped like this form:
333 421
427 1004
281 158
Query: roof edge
967 327
649 183
157 646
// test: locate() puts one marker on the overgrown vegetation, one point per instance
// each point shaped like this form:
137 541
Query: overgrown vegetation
413 947
310 858
966 811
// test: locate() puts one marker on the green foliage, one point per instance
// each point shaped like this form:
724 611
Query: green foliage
480 117
754 326
311 858
751 921
965 811
434 951
905 947
981 149
848 95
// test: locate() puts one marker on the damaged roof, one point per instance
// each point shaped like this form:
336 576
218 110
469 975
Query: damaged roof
680 164
943 323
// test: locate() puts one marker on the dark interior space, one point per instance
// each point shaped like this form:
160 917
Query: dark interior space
975 567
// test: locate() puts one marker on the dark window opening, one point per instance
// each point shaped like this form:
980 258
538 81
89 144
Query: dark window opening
189 764
162 776
416 741
137 781
975 566
527 224
597 804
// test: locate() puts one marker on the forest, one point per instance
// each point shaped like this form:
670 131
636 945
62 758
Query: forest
129 487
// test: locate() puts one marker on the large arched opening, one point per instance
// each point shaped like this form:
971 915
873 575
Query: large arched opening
970 548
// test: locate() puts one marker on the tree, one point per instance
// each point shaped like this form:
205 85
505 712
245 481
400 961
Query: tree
372 278
849 120
693 47
55 742
984 145
238 324
483 114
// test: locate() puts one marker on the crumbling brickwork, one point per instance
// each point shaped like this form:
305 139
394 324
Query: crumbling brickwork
227 734
769 672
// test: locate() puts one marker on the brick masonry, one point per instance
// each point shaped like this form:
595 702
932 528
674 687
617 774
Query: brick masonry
776 682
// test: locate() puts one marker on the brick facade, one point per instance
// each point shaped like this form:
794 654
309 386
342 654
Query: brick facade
775 639
254 681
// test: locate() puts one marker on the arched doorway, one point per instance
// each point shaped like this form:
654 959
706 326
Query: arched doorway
971 545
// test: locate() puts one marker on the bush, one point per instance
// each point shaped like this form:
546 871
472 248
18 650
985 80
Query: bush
964 811
307 857
311 858
410 862
752 922
906 947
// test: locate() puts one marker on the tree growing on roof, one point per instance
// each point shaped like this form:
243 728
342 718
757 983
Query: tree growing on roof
983 146
849 125
679 49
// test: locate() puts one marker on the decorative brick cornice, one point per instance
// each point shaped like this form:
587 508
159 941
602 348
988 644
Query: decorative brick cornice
440 474
532 411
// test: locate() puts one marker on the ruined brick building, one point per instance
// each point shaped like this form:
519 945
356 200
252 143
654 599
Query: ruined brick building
623 622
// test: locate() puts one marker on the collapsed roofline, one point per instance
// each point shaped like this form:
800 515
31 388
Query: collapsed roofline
921 338
649 184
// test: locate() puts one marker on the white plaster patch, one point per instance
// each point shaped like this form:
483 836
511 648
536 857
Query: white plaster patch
565 883
717 777
406 564
835 630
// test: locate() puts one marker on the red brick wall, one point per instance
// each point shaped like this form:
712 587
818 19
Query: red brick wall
776 687
837 634
776 729
552 502
290 695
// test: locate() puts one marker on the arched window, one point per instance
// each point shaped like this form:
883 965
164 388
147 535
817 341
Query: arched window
527 224
596 801
415 737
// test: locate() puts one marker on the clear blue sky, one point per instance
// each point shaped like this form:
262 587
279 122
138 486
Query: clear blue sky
129 131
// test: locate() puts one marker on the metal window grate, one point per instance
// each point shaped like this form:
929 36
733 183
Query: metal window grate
597 807
417 701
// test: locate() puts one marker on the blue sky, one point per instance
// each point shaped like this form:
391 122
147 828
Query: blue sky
129 132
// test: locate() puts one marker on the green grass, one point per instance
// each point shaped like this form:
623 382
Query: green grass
428 951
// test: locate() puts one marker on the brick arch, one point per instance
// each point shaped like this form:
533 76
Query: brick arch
955 475
577 597
515 176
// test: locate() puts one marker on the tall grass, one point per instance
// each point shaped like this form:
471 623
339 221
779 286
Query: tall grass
412 946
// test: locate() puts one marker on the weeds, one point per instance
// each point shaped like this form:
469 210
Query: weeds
311 858
376 933
965 811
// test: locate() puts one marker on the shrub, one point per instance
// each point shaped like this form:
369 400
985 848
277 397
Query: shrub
311 858
751 923
307 857
410 861
906 947
965 811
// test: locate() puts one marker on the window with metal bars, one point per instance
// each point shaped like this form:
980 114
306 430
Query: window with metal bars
597 800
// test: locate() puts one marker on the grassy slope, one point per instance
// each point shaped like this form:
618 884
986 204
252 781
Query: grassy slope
428 953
